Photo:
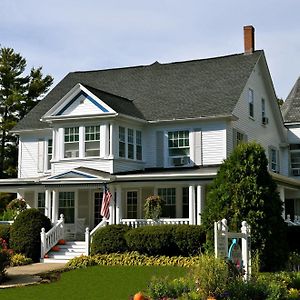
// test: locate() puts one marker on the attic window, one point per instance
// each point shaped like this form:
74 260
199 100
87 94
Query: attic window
251 103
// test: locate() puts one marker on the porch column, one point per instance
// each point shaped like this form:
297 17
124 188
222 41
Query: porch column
191 204
200 203
282 198
54 206
48 203
118 205
111 219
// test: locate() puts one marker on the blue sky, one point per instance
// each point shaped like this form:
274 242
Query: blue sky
71 35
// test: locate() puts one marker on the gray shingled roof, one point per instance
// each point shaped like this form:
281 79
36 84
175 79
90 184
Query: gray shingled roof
190 89
291 107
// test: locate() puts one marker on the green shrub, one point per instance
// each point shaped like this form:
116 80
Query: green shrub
160 288
4 262
189 239
19 260
25 233
110 239
168 240
5 232
152 240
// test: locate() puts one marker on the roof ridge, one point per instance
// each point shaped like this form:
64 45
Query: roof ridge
157 63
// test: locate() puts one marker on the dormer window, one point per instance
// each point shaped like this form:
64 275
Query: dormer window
71 144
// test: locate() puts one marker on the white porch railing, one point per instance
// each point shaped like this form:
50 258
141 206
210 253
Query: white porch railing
6 222
50 238
89 235
146 222
296 221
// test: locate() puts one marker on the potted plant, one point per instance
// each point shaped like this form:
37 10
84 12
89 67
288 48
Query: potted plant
153 207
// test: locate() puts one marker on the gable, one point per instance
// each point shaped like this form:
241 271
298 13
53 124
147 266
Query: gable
79 101
82 104
73 174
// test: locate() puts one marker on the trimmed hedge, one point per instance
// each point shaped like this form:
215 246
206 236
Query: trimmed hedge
170 240
293 234
110 239
5 232
25 233
152 240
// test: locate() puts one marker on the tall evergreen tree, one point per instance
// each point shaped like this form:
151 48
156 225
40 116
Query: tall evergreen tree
244 190
19 93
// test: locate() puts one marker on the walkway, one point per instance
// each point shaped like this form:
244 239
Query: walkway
25 275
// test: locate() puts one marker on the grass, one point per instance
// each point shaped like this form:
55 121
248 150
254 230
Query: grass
99 282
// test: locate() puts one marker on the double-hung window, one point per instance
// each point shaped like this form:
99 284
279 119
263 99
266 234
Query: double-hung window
169 197
138 145
49 153
41 202
251 103
130 143
67 206
92 141
132 204
122 142
274 159
295 159
178 143
71 142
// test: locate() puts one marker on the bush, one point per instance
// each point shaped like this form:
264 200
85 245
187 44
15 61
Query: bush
19 260
110 239
5 232
131 259
189 239
5 254
152 240
168 240
25 233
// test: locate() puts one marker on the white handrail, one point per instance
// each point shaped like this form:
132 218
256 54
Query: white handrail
6 222
101 224
50 238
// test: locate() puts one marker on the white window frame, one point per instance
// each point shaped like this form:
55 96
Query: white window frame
72 134
75 203
294 170
137 203
251 103
274 159
42 209
49 155
93 134
130 141
166 204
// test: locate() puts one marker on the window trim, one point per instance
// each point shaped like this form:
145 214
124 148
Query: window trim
85 142
74 134
137 203
251 103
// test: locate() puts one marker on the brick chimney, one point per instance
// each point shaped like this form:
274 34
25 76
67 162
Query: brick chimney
249 44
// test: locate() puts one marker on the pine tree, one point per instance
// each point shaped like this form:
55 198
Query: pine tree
19 93
244 190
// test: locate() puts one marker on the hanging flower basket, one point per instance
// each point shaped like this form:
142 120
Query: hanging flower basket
153 207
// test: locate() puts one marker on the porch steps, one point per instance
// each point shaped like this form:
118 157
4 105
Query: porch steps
65 253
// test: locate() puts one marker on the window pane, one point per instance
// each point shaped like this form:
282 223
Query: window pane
178 142
185 202
121 141
71 142
66 206
50 150
41 202
251 102
132 205
169 197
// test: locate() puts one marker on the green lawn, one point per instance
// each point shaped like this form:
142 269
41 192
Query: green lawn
99 282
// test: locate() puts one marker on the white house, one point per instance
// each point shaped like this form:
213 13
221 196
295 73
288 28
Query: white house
160 129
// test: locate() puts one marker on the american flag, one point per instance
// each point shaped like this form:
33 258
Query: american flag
105 203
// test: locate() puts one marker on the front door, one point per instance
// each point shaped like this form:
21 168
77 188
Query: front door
97 207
